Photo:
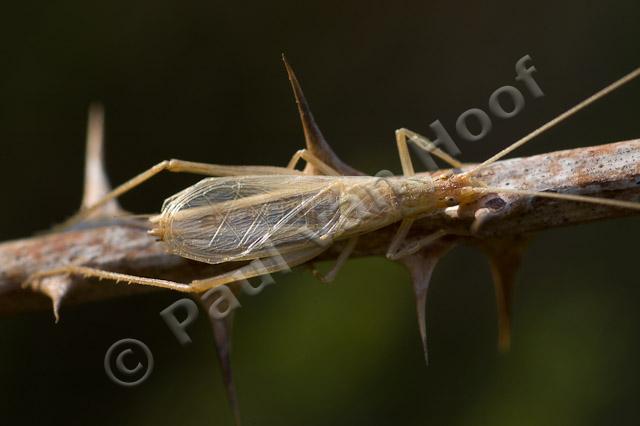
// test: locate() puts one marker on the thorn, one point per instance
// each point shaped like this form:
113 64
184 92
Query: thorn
96 183
421 266
505 255
222 332
56 288
315 141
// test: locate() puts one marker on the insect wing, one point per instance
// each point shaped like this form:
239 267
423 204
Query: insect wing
238 218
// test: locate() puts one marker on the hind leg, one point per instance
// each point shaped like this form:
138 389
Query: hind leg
88 272
258 267
274 263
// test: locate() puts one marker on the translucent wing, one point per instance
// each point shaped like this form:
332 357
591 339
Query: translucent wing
238 218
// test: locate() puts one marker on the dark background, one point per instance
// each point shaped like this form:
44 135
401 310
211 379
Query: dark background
203 81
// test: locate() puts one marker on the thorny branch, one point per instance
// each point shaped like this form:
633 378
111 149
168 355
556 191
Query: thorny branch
611 171
109 241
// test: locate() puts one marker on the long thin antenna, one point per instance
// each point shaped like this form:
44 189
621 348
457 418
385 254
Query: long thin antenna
610 88
568 197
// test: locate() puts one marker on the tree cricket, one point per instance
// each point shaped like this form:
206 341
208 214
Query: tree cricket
280 217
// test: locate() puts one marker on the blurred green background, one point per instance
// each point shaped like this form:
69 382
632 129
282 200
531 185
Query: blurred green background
203 81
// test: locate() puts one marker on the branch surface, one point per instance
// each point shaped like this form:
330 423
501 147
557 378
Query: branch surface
611 171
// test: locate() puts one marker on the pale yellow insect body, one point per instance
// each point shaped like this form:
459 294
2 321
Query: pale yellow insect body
240 218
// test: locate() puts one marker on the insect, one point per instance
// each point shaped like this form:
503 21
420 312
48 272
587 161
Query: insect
278 217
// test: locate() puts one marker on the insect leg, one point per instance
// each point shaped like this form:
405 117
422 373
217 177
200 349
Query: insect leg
414 246
394 252
404 135
401 234
342 258
113 276
313 160
180 166
259 267
256 268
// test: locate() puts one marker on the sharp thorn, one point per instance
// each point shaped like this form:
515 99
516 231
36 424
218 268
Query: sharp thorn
505 255
315 141
420 291
55 287
96 183
222 332
421 266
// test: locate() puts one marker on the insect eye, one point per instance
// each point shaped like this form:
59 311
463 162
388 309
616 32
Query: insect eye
450 201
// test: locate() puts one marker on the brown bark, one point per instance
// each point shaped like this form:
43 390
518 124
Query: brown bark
611 171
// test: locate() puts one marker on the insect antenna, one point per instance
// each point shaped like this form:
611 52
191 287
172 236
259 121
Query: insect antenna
610 88
568 197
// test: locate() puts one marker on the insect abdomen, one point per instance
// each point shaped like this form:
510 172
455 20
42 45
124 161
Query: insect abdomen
368 204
